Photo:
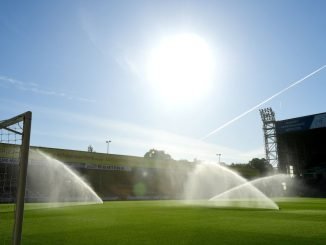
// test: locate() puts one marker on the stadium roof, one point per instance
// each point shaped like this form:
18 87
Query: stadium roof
301 123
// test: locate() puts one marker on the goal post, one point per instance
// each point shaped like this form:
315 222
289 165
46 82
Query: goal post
15 132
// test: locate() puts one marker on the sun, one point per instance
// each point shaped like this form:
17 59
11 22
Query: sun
181 68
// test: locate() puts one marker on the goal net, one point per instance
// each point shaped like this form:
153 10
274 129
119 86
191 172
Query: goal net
14 149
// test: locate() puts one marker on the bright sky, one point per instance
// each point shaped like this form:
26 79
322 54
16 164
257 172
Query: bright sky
160 74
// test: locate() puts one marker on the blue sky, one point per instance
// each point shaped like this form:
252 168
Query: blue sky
80 67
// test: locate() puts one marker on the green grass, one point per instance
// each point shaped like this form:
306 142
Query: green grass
299 221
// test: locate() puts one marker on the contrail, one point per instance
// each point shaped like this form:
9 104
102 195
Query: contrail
263 102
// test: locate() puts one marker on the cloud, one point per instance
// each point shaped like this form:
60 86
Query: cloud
34 88
259 153
129 138
89 28
127 57
76 131
263 102
125 62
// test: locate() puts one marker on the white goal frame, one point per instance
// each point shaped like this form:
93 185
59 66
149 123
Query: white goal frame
26 118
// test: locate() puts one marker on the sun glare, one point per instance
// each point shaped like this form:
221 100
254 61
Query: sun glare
181 68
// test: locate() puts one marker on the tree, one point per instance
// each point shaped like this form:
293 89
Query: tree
245 170
90 148
158 155
261 165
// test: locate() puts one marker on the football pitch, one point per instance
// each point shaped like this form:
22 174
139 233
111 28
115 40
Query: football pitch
299 221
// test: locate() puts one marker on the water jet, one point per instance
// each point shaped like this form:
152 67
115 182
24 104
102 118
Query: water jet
51 181
215 185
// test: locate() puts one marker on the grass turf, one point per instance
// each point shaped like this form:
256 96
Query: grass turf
299 221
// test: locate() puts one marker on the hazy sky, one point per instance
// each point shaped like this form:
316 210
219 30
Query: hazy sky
82 68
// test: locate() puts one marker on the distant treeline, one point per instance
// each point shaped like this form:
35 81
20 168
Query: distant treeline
257 167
